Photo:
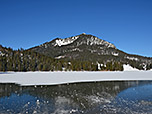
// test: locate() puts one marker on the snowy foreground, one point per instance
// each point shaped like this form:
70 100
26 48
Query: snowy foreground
54 78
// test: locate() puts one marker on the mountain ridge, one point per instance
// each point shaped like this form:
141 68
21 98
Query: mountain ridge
73 38
77 41
86 47
80 52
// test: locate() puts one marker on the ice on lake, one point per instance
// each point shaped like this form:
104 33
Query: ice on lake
76 92
55 78
124 97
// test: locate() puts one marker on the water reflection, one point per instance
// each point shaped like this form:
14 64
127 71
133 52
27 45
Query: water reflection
97 97
143 92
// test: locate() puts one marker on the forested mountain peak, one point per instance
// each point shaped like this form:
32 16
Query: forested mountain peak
80 52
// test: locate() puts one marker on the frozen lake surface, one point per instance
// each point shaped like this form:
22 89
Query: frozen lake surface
55 78
112 97
128 92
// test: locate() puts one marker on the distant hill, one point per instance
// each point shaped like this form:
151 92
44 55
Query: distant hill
83 52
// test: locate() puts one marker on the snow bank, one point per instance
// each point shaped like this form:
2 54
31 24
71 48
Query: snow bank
54 78
129 68
66 41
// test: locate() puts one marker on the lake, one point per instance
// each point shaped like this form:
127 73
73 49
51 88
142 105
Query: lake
90 97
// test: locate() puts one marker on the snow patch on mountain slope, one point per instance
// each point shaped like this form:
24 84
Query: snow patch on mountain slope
115 54
61 42
97 41
76 49
59 57
129 68
132 58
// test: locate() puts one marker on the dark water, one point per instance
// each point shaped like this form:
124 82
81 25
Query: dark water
124 97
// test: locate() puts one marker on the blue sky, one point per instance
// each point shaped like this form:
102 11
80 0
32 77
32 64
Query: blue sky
126 23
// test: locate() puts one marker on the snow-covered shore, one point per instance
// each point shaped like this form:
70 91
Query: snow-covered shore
54 78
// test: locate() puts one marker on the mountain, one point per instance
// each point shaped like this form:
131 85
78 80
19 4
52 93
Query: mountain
83 52
86 47
75 47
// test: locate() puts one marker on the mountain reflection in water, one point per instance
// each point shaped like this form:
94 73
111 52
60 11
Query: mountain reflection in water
96 97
